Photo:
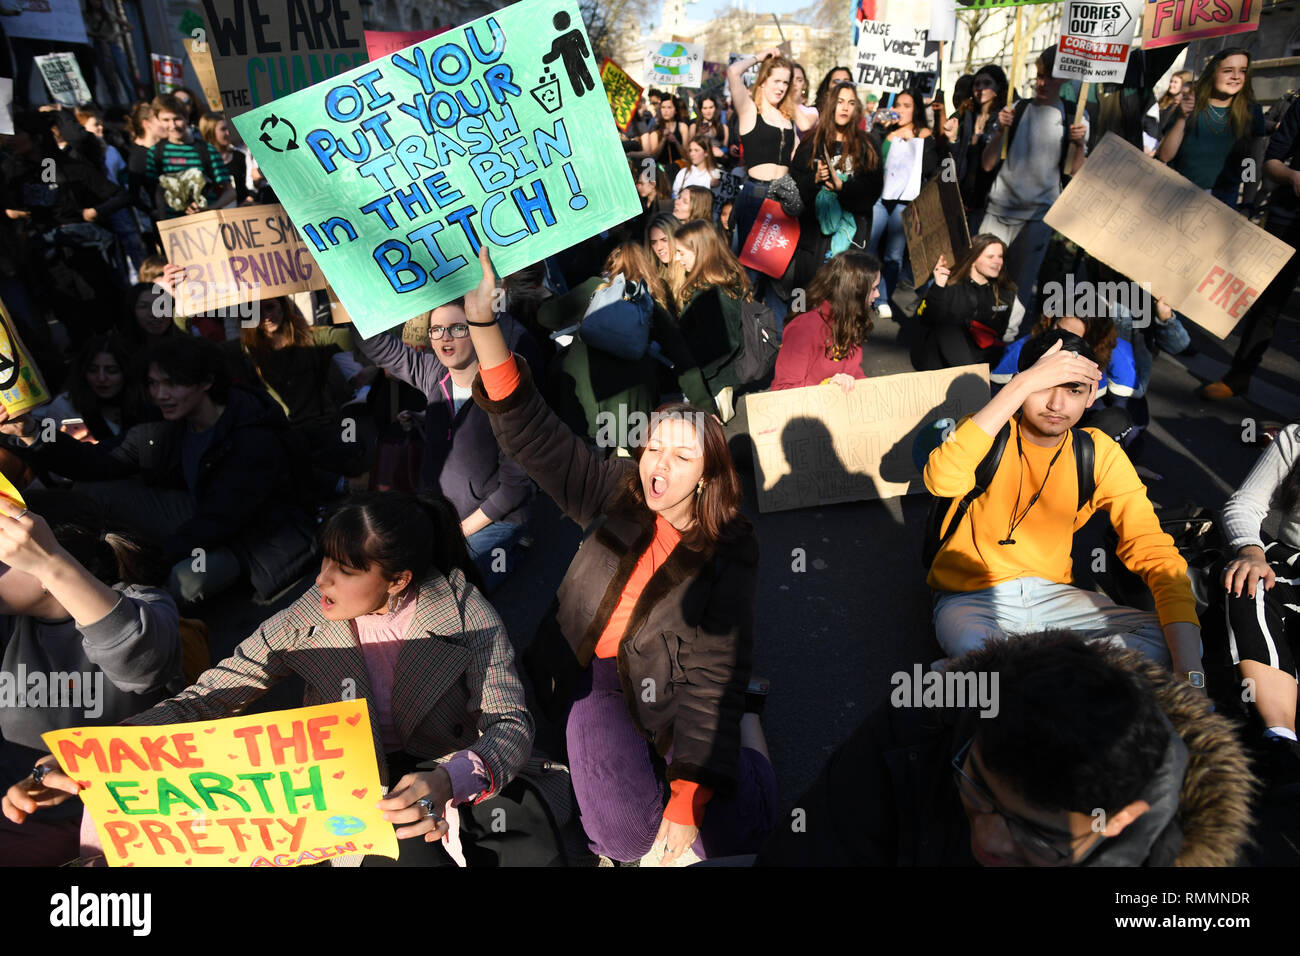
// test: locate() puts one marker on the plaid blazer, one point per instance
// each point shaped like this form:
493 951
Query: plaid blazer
454 686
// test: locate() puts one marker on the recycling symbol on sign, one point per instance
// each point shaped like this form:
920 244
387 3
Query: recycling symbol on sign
273 121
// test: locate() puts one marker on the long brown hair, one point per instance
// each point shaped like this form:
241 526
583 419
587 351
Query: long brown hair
141 113
1099 332
857 147
671 273
293 325
703 143
717 507
700 203
1004 290
1239 112
638 265
714 264
786 106
1168 99
845 284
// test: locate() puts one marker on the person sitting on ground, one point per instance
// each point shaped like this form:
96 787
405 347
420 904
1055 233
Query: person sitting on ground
1119 380
713 290
103 397
694 202
86 604
588 386
644 660
1095 756
970 312
701 172
491 493
395 610
825 345
1005 567
218 483
306 377
661 243
1262 593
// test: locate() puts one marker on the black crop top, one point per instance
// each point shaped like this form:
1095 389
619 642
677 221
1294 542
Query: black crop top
766 143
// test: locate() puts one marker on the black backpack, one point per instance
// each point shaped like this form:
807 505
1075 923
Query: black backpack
759 345
935 534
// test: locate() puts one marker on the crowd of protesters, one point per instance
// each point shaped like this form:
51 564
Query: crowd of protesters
181 457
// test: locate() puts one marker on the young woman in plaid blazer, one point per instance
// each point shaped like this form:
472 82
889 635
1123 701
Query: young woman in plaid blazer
395 617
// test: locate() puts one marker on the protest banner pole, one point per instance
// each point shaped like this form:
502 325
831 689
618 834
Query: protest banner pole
1079 112
1017 52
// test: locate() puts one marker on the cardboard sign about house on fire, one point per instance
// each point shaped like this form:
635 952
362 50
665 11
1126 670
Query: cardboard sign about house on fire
1149 223
820 445
280 789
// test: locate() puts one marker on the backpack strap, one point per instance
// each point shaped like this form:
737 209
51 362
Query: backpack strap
936 535
1084 459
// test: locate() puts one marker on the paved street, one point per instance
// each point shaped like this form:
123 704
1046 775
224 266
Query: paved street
829 638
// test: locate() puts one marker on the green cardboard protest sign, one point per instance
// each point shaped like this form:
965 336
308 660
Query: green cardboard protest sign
498 131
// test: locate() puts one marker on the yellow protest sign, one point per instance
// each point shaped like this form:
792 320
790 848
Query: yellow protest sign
21 387
280 789
623 92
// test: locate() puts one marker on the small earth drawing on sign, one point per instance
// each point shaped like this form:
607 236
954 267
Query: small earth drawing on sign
344 826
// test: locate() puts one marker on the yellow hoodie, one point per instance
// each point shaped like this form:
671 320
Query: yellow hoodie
973 560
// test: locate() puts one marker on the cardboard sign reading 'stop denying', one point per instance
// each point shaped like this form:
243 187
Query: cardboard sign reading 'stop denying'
396 172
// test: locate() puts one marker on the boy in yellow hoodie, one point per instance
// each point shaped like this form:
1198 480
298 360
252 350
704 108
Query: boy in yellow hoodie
1006 569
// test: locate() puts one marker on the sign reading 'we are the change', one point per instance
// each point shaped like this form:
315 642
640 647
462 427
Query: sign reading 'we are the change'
395 173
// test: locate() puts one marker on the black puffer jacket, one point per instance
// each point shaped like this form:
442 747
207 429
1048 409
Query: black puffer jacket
691 632
249 490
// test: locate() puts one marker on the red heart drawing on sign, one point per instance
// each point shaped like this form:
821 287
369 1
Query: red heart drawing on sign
181 813
142 790
367 845
242 789
137 845
76 733
339 775
212 730
188 862
112 811
353 720
128 864
285 840
298 770
233 756
359 793
233 859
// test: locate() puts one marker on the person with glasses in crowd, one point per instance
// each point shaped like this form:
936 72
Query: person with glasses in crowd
462 460
1077 753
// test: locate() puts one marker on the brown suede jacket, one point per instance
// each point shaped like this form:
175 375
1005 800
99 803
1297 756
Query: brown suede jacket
686 655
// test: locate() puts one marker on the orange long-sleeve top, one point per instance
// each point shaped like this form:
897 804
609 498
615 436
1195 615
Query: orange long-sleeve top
972 560
688 799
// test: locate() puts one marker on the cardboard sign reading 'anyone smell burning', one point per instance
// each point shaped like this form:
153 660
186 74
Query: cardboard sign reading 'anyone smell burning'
498 132
281 789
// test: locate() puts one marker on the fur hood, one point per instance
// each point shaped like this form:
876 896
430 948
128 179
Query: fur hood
1213 813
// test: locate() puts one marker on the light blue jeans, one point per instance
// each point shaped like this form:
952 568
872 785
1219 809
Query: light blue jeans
966 620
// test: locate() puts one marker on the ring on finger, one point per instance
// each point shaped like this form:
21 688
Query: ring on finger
430 809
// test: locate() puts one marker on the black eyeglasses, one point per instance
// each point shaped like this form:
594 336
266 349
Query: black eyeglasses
1034 841
458 331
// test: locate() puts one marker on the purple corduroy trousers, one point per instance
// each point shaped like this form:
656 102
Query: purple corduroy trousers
622 790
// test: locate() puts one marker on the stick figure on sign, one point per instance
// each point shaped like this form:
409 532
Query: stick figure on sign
572 47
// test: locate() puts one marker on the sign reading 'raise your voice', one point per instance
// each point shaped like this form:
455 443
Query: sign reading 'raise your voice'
396 172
